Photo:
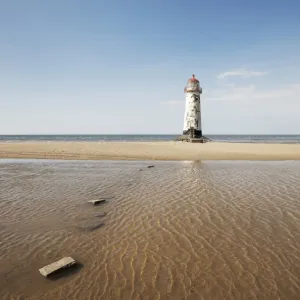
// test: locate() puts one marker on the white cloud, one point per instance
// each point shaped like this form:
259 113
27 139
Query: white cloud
230 93
281 94
241 73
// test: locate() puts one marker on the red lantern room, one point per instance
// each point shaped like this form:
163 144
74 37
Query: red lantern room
193 85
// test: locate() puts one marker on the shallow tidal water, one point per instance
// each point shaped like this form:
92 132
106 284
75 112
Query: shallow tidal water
180 230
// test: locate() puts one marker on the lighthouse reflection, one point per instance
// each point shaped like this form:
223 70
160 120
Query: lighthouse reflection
193 164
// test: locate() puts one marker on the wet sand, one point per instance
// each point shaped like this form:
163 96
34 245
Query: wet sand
180 230
149 151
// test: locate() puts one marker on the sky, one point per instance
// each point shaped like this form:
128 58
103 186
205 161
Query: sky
120 67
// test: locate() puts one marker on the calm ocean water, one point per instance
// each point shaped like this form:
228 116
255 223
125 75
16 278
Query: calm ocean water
282 139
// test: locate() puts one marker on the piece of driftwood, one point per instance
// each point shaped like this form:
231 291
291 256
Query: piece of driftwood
151 166
95 202
58 265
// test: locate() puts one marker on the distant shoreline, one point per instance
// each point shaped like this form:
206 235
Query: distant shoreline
157 150
234 138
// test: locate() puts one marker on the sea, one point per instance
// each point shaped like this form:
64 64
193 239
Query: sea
281 139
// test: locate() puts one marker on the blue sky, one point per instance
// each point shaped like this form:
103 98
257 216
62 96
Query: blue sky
121 66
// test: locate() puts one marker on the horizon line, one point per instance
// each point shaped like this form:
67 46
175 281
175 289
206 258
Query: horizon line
145 134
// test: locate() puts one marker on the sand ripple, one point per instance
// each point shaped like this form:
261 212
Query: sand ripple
181 230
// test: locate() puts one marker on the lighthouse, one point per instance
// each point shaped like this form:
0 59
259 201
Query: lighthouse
192 117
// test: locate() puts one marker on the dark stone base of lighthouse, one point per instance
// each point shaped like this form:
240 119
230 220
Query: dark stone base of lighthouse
192 136
193 133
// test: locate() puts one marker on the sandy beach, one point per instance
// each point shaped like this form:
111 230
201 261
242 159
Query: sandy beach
149 151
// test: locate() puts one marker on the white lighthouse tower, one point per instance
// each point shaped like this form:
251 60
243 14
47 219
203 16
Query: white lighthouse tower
192 118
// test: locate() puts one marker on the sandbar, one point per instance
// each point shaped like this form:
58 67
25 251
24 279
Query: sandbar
149 151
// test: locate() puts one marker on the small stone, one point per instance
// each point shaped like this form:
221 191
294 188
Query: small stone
152 166
95 202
